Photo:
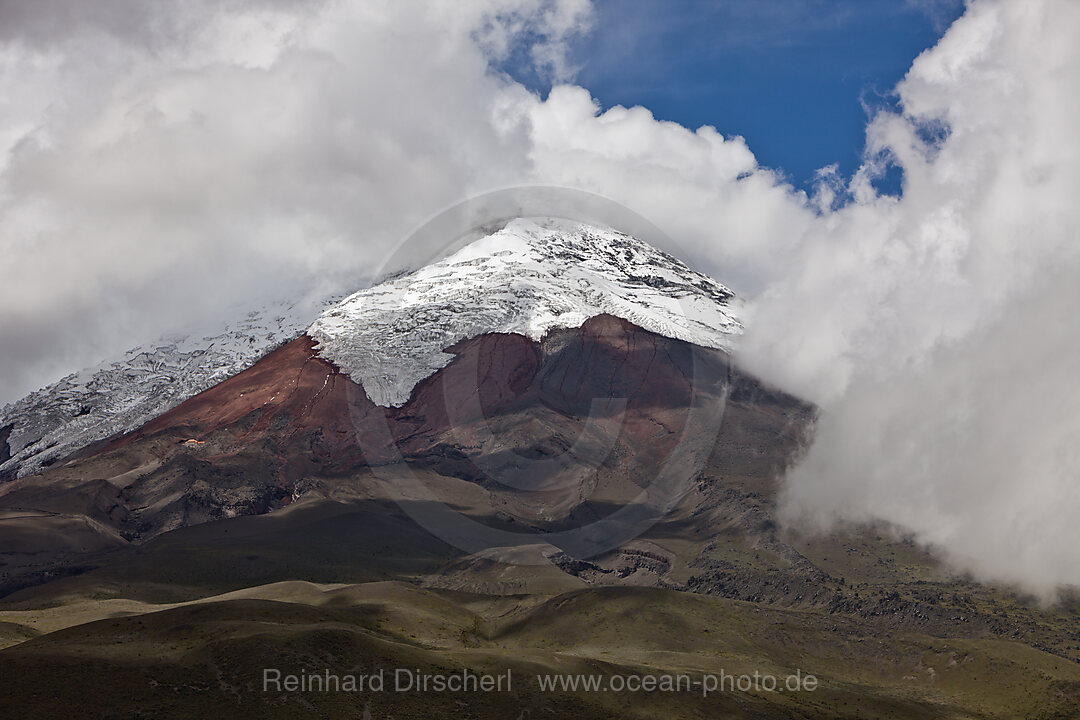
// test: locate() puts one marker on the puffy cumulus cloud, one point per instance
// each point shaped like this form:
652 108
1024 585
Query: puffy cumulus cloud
156 165
975 449
158 162
938 331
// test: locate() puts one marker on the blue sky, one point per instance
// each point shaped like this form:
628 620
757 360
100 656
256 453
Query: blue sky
796 79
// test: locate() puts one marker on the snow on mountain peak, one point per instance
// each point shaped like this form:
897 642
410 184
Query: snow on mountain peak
528 278
124 392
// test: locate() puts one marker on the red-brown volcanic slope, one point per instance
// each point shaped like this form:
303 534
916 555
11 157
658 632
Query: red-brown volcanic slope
504 407
307 404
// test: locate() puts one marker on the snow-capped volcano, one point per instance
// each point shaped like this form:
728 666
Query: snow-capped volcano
528 278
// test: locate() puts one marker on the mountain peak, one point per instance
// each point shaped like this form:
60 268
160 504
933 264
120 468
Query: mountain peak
530 277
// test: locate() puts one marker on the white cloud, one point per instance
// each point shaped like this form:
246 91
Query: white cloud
939 330
155 166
